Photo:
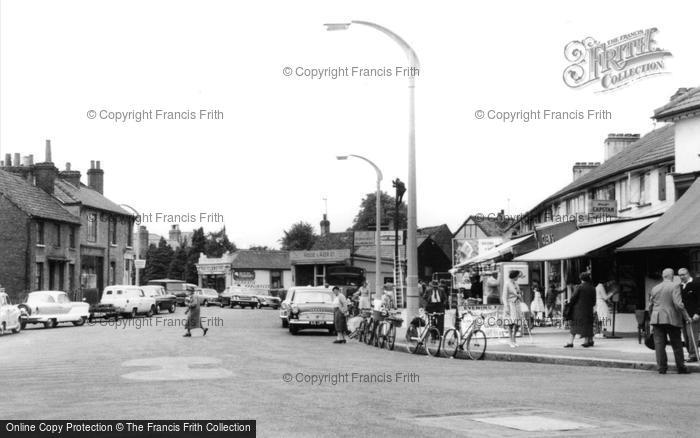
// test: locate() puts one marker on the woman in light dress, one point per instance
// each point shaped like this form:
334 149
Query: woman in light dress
513 298
601 304
537 305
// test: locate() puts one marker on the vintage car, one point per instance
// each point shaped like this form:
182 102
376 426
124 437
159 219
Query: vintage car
308 308
239 296
129 300
52 307
178 288
207 297
164 300
266 300
10 316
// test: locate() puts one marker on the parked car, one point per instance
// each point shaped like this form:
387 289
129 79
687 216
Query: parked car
129 300
173 287
164 300
266 300
10 316
308 308
207 297
52 307
239 296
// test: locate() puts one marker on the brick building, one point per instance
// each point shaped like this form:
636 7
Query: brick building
59 233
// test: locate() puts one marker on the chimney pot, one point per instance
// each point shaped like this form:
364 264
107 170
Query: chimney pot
15 161
97 164
68 166
8 160
31 159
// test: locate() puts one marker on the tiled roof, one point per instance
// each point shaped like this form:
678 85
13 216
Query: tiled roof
656 146
70 194
33 200
342 240
253 259
688 101
441 234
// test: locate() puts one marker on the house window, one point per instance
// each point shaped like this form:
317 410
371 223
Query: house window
695 262
662 183
40 233
58 235
113 230
112 272
624 193
130 235
644 179
92 227
39 284
71 237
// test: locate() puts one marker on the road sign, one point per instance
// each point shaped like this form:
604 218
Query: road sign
140 263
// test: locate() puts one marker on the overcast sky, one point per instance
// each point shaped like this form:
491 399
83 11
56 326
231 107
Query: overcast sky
271 159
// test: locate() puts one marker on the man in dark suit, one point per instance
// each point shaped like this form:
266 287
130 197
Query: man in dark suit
667 314
690 294
435 299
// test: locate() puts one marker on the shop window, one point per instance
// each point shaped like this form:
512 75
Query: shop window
276 280
40 233
92 227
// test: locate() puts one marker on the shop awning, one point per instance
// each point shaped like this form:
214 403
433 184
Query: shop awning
678 227
587 240
500 250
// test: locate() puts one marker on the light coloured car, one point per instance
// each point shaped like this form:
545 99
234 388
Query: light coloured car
239 296
129 300
53 307
10 316
307 307
207 297
267 300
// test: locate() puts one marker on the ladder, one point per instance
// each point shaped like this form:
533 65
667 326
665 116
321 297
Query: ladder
398 283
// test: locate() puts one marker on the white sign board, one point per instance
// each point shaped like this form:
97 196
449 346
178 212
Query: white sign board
140 263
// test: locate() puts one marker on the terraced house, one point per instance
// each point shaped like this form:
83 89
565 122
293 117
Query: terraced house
59 233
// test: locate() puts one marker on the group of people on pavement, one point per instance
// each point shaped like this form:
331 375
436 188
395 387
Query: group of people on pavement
360 300
673 308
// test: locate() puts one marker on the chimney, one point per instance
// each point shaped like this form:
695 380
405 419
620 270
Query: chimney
8 160
143 241
96 177
15 162
45 173
616 143
70 176
583 168
174 235
325 226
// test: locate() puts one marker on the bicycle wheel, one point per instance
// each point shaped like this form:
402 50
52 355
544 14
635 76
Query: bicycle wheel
369 333
432 342
391 337
450 343
361 331
413 341
382 329
377 334
476 345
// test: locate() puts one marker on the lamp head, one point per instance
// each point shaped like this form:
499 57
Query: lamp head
341 157
337 26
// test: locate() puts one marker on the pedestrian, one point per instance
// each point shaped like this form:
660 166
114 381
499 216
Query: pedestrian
493 292
667 312
603 293
513 299
362 294
436 300
193 316
537 305
690 295
340 310
582 302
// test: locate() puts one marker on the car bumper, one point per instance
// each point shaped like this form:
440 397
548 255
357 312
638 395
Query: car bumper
311 324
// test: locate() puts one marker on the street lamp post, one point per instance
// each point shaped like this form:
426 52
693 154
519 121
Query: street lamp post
411 249
137 241
378 231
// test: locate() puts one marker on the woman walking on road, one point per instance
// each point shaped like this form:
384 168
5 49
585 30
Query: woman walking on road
340 309
193 316
513 299
582 301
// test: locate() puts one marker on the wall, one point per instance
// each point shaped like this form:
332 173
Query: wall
13 251
687 133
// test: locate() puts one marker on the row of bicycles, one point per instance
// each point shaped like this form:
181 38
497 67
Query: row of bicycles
425 335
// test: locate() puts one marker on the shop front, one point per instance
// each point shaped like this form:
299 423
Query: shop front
311 267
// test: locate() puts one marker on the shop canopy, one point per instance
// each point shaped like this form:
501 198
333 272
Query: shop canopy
586 240
500 250
678 227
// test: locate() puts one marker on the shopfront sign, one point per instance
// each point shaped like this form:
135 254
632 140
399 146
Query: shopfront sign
319 256
552 233
602 207
214 269
244 275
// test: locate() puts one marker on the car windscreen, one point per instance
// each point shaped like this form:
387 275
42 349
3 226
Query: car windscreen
40 298
313 297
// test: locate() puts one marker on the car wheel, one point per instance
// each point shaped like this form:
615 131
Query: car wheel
133 313
259 306
23 325
156 309
205 303
48 324
171 309
285 323
150 311
293 330
2 329
18 327
79 323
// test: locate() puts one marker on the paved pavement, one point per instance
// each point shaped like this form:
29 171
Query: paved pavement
238 371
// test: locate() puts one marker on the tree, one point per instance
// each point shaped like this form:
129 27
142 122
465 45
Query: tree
178 264
259 248
158 259
367 216
199 243
301 236
218 243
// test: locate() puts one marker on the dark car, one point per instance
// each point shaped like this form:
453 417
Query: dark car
239 296
164 301
178 288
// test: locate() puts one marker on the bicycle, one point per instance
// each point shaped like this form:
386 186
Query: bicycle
427 337
386 331
361 330
475 339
